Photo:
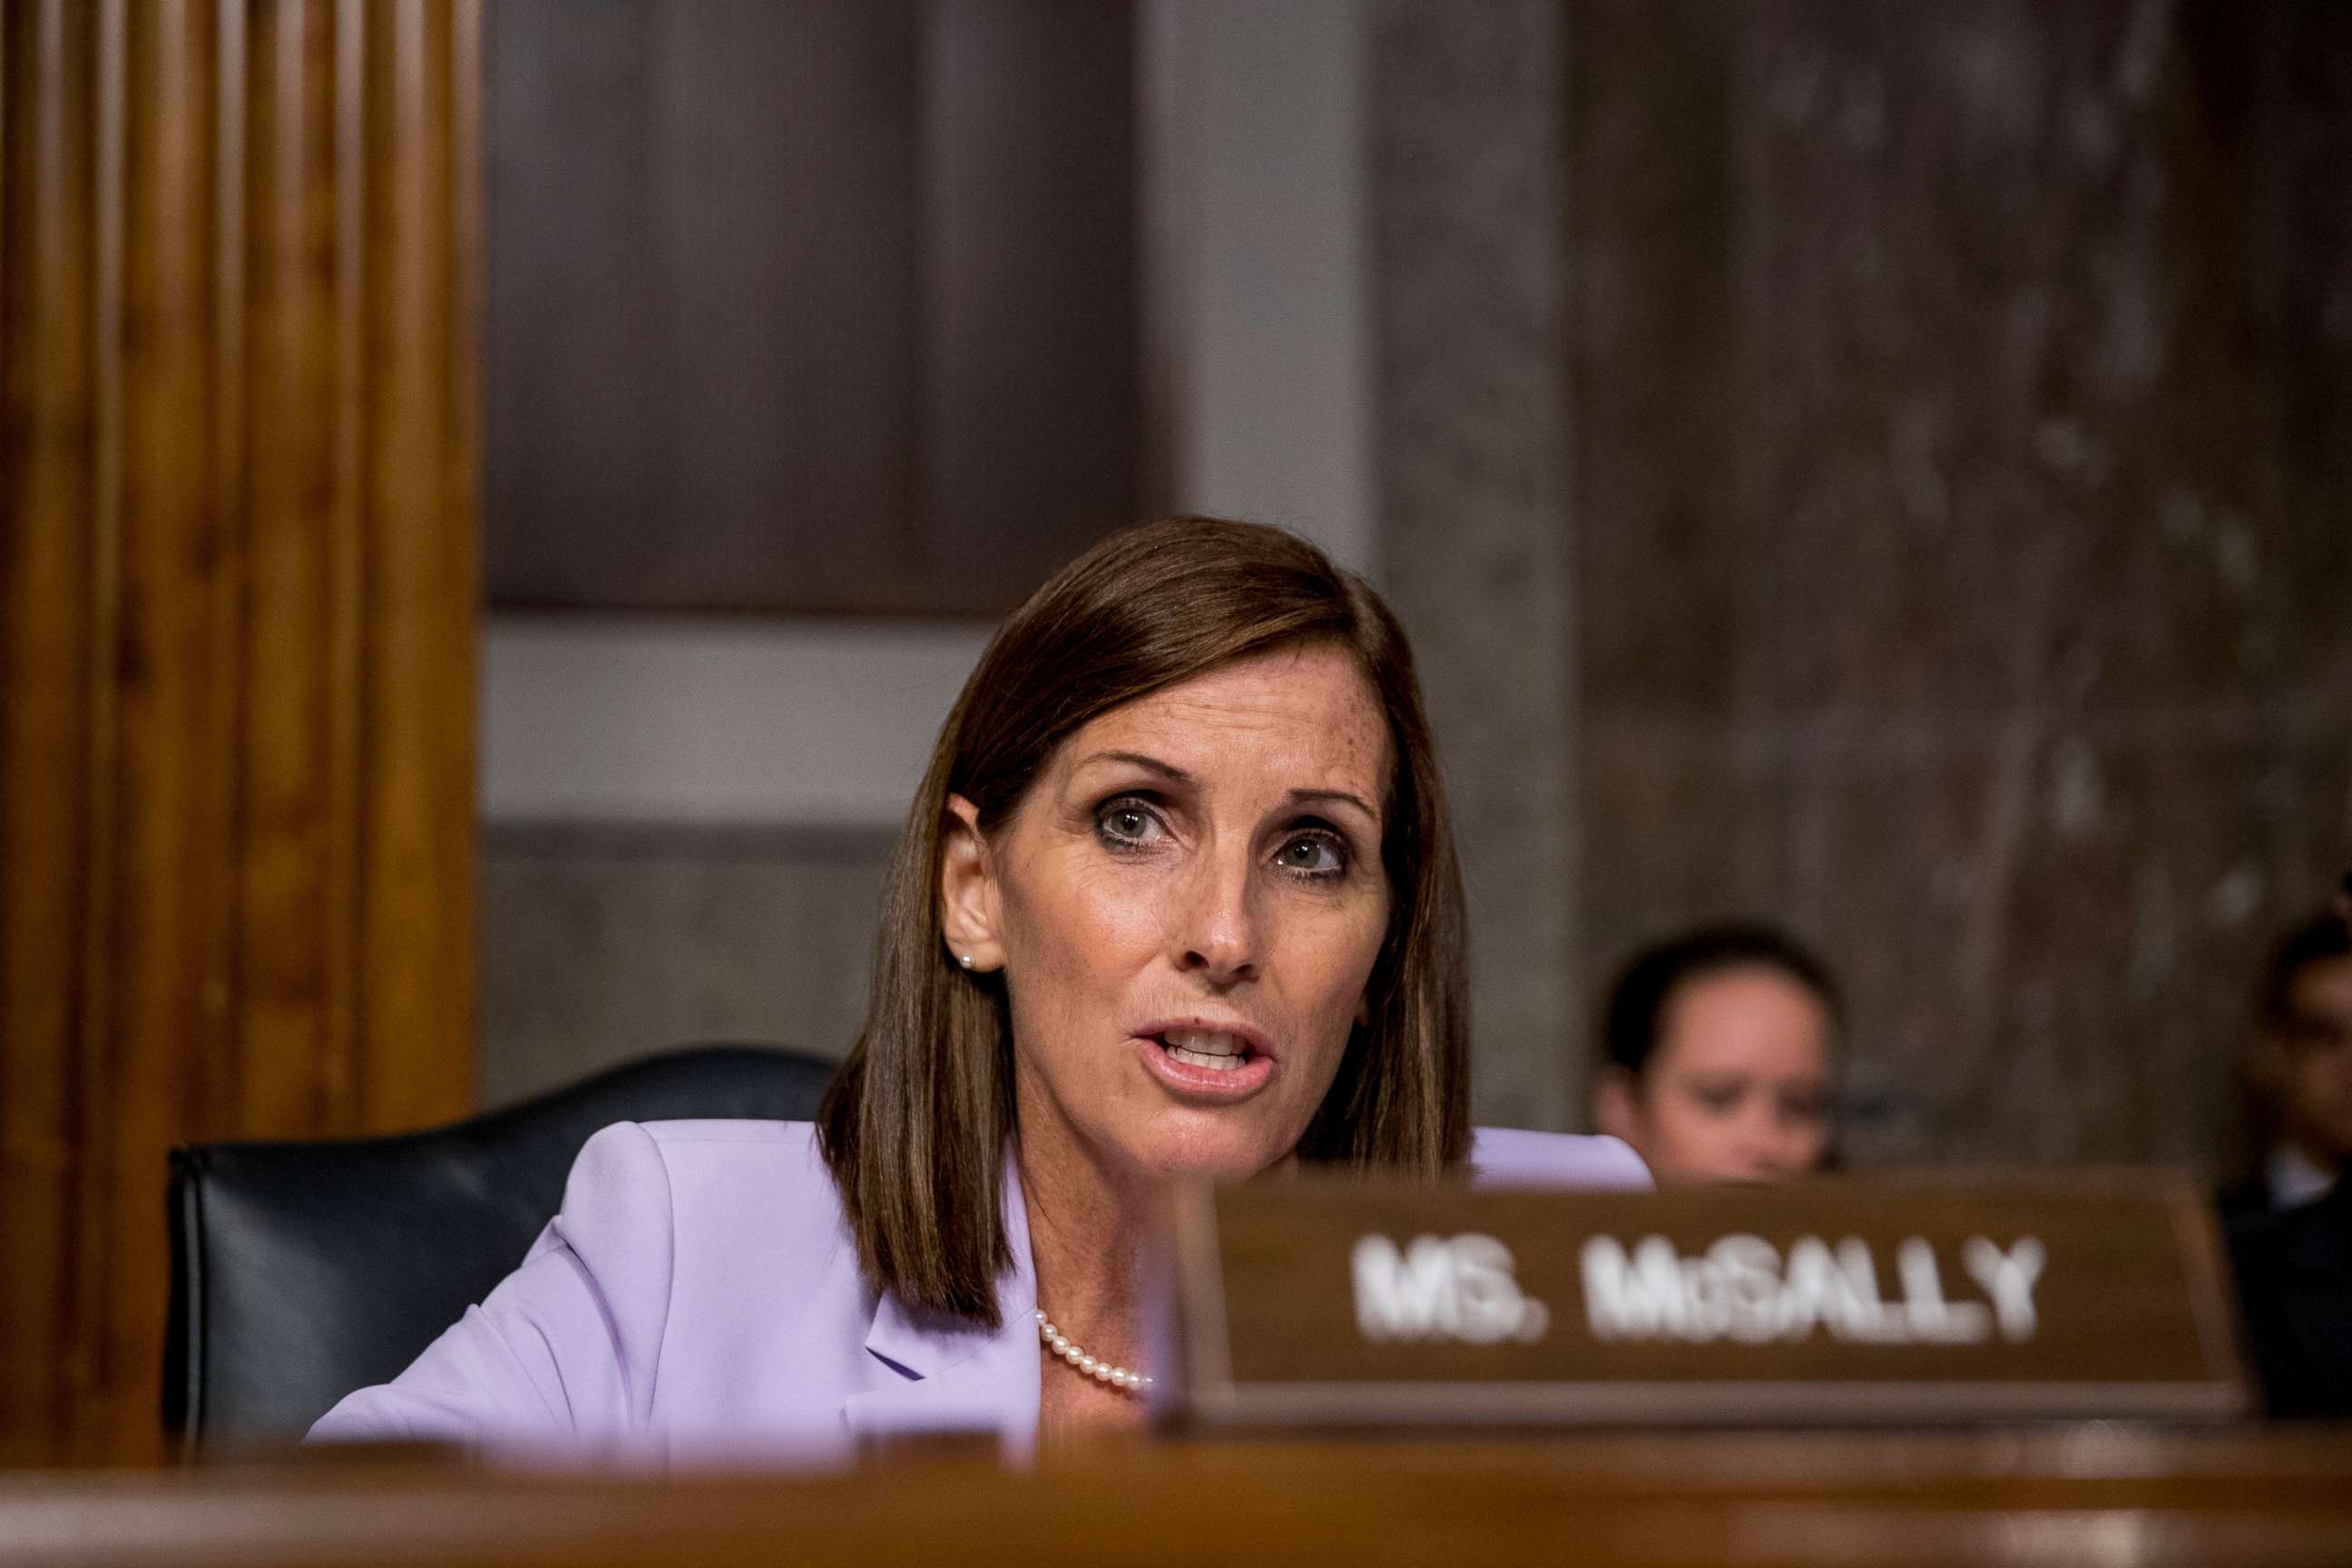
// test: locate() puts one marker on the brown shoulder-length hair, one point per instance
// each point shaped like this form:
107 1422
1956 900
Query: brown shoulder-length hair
916 1124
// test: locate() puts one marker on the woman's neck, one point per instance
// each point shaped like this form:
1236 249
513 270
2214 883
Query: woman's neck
1089 1234
1098 1253
1088 1230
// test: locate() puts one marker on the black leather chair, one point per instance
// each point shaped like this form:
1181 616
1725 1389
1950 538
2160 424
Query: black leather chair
303 1271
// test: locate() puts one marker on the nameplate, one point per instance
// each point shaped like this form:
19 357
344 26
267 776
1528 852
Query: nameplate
1323 1300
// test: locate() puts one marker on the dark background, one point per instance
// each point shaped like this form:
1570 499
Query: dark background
1880 467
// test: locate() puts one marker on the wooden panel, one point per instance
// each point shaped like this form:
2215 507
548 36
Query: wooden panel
237 595
827 306
421 579
154 905
294 869
702 333
1032 425
47 284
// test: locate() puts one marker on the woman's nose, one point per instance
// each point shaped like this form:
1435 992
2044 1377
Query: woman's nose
1767 1149
1216 928
1781 1148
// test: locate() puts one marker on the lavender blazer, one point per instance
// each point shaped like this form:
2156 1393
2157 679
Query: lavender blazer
699 1296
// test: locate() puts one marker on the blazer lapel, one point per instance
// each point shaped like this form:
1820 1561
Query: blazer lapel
945 1375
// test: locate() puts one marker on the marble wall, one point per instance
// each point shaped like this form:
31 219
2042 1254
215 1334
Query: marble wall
601 941
1471 349
1957 439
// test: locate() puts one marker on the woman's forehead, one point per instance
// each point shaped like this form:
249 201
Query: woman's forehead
1727 1017
1306 711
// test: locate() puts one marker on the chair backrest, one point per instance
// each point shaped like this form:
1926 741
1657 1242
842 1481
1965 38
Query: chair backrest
303 1271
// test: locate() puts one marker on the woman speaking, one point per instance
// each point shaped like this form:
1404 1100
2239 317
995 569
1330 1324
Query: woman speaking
1177 898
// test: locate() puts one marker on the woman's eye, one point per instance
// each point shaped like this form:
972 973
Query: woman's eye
1126 824
1312 854
1806 1109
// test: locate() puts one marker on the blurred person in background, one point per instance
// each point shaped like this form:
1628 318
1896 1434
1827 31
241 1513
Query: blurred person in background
2291 1222
2298 1070
1719 1049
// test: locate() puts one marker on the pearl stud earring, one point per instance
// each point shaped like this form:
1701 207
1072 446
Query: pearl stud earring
967 959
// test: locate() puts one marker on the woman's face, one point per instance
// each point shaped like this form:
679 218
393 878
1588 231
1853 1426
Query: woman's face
1737 1087
1186 907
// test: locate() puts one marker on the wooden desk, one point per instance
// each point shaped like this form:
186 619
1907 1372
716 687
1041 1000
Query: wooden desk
2080 1496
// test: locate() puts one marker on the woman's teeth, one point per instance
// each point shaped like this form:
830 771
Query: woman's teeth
1205 1048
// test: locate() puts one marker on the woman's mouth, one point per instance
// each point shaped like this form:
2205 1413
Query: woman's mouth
1198 1062
1205 1048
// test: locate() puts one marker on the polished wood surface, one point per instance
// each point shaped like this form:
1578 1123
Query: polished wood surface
825 307
238 589
2096 1495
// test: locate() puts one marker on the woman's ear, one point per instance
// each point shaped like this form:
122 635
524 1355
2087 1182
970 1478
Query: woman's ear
1617 1107
967 902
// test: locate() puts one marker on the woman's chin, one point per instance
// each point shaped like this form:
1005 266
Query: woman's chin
1212 1153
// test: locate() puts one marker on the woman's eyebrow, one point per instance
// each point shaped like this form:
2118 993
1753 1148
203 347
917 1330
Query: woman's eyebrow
1175 775
1302 796
1167 771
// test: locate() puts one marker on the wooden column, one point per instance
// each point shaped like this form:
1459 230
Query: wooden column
239 262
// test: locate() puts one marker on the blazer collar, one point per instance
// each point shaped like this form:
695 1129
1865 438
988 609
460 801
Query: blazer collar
954 1376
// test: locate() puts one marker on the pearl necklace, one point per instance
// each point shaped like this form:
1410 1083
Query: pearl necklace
1100 1371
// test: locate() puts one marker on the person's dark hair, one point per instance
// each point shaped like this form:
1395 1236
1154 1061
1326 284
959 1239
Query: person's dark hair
2321 939
915 1127
1646 985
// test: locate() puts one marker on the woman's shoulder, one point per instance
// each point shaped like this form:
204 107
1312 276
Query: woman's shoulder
746 1194
1515 1157
707 1171
740 1141
713 1254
